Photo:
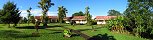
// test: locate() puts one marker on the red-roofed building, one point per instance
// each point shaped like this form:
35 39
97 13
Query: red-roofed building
51 18
103 19
67 19
38 18
79 19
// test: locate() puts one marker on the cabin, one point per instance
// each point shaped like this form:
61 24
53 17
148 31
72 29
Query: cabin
67 19
79 19
38 18
51 19
103 19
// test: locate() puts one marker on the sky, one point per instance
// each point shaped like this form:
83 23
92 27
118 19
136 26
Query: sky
97 7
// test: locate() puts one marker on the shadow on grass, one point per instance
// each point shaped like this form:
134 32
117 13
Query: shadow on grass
56 32
102 37
33 27
1 27
73 35
14 34
147 35
90 29
84 29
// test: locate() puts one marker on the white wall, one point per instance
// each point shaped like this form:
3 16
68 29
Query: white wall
81 22
67 21
101 22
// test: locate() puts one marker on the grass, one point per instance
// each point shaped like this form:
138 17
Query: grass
117 36
26 34
103 30
52 33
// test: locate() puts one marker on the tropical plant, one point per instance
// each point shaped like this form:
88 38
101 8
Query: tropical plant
61 13
88 16
116 24
24 20
29 15
45 5
138 16
32 18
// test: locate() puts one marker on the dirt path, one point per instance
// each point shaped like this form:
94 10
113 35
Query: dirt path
79 32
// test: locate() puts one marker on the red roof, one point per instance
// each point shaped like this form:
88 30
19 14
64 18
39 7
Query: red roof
67 18
104 17
78 18
53 17
37 17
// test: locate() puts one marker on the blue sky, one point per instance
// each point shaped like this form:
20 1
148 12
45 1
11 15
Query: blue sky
97 7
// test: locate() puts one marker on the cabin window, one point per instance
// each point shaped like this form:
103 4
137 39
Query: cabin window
100 20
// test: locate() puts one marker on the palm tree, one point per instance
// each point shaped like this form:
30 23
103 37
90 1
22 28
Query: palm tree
61 13
88 16
29 14
45 5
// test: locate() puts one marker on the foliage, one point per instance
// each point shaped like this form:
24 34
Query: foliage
116 24
0 15
78 14
94 22
67 33
113 13
29 14
32 19
61 13
10 14
138 16
0 21
24 20
88 16
45 5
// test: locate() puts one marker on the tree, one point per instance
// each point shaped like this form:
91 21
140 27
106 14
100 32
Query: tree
24 20
45 5
138 16
78 14
10 14
113 13
0 21
0 16
116 24
88 16
32 18
29 14
61 13
0 12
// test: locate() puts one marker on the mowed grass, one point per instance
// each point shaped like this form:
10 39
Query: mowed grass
47 34
102 30
117 36
26 34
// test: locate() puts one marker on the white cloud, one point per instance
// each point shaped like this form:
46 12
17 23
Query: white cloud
37 12
52 13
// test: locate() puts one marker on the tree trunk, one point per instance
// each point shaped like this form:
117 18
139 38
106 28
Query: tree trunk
93 28
9 26
28 24
45 24
14 25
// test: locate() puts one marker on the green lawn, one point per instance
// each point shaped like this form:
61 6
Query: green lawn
117 36
87 30
26 34
51 33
